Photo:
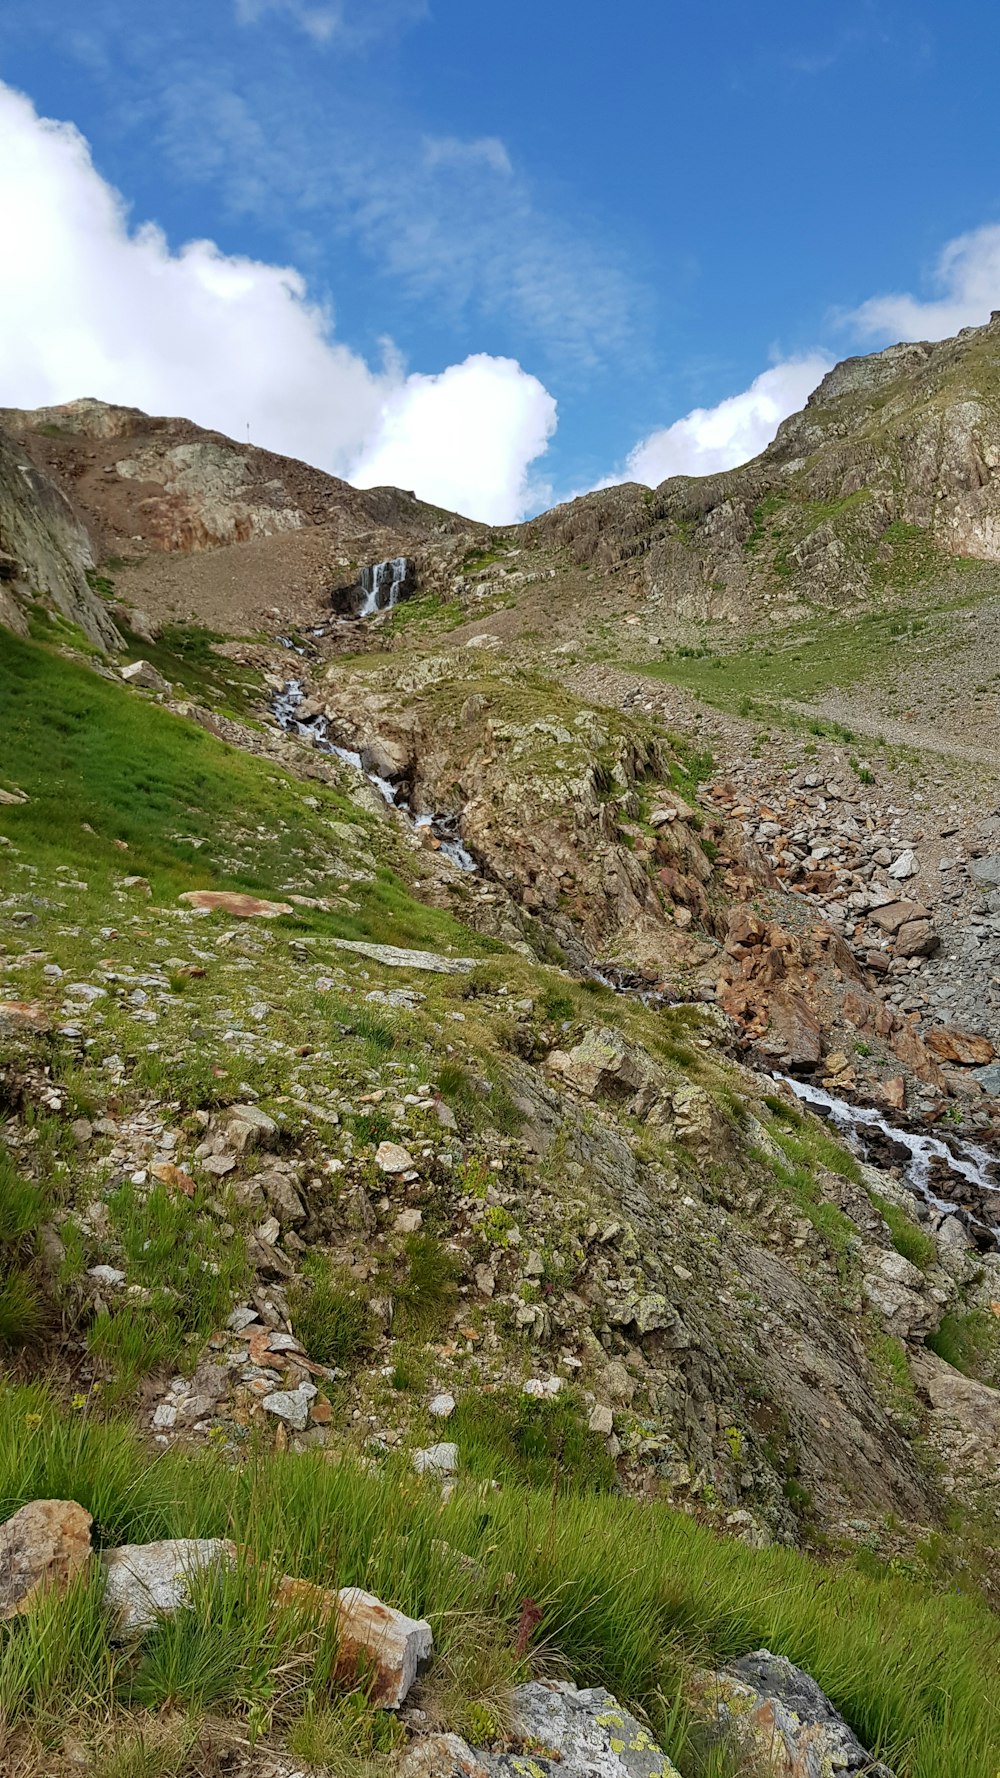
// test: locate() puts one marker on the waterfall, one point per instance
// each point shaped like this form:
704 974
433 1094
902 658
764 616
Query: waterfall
382 583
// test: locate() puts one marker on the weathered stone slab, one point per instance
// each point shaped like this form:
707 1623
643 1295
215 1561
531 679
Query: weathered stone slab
145 1581
239 907
396 958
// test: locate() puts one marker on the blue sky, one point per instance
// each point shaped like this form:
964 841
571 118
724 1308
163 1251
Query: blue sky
637 210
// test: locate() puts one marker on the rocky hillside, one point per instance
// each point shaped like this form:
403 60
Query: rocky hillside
440 1336
889 475
143 488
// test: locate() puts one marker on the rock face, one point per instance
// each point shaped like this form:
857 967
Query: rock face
47 548
144 1581
775 1716
46 1544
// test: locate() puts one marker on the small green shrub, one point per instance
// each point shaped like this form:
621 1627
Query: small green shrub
335 1325
970 1343
909 1240
513 1437
426 1293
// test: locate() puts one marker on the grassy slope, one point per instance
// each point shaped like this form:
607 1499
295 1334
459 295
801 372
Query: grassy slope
628 1593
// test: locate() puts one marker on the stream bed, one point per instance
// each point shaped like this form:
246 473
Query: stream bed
285 707
956 1175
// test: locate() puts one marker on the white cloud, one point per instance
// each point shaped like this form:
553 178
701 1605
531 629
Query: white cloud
99 309
967 277
710 439
477 424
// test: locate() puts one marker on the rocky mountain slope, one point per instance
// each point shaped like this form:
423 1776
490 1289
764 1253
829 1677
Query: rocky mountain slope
418 1249
890 474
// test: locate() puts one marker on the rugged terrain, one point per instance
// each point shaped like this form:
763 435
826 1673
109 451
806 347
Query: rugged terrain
407 1038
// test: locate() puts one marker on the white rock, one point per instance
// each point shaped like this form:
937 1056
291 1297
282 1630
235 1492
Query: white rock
380 1638
165 1416
291 1405
391 1158
106 1274
442 1407
602 1420
408 1221
143 674
906 865
436 1460
145 1580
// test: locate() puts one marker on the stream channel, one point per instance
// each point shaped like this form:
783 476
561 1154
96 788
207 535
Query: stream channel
966 1173
444 828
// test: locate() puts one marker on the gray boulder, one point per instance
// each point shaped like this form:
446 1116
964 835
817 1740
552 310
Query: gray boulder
146 1581
585 1734
778 1718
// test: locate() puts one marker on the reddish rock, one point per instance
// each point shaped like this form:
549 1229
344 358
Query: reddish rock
375 1640
917 939
46 1544
893 1093
745 929
793 1026
22 1015
896 914
961 1047
241 907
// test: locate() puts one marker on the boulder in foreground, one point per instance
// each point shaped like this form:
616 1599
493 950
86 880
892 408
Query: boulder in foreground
46 1544
145 1581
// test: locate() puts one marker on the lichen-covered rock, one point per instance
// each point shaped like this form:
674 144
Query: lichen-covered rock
567 1732
774 1715
145 1581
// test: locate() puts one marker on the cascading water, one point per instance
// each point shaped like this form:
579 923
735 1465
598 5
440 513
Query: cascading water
382 583
968 1165
285 707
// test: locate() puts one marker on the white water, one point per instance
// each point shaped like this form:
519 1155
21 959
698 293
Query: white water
963 1159
444 828
381 583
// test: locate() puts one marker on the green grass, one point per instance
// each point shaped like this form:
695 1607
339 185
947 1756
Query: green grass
971 1343
907 1238
511 1437
333 1322
22 1208
806 660
105 768
628 1595
427 1291
173 1250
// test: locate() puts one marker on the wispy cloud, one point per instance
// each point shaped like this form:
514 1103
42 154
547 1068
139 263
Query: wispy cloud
965 287
446 219
352 23
476 151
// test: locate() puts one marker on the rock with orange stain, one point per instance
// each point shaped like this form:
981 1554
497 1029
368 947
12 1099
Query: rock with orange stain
239 907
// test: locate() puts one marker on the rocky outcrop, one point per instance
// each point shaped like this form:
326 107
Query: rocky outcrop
892 467
47 550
